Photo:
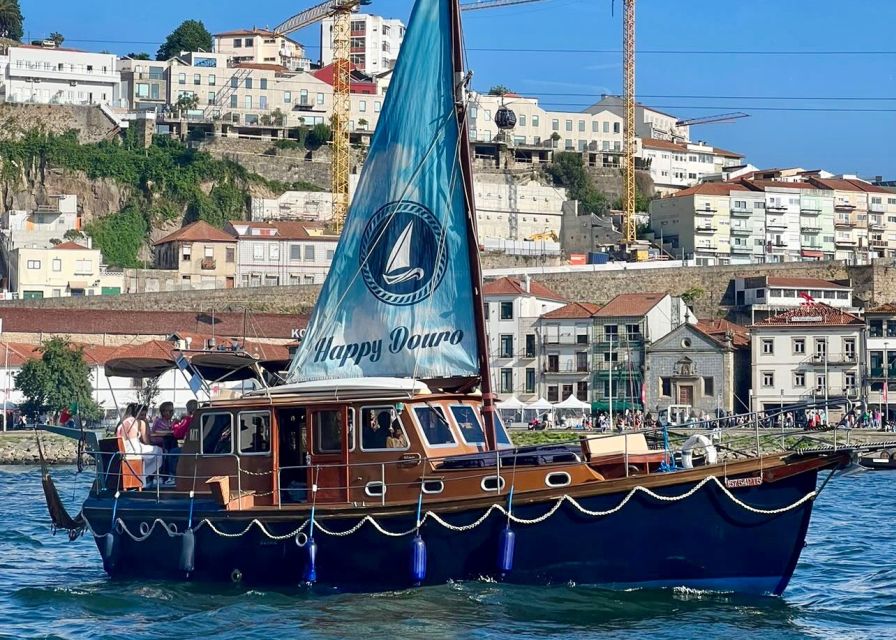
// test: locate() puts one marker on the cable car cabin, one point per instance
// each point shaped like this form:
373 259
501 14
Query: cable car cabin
271 451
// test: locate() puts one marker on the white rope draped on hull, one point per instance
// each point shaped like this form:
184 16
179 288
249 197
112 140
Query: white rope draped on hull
146 530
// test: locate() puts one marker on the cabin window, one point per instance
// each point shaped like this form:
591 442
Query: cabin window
434 426
216 433
381 429
492 483
468 421
500 431
433 486
557 479
255 432
327 431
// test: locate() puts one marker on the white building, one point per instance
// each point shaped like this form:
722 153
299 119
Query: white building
770 295
66 269
881 361
808 354
676 165
281 253
649 123
261 46
50 75
36 228
374 44
565 339
512 309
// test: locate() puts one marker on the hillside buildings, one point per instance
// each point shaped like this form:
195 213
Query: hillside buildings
201 256
782 220
261 46
51 75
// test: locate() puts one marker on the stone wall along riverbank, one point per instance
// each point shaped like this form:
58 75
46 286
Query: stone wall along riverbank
20 447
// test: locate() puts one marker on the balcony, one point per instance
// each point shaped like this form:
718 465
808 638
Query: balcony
741 249
879 244
707 247
810 212
208 264
776 223
776 207
843 206
843 222
810 227
565 369
741 230
877 207
625 341
741 213
834 359
877 225
844 242
706 211
706 228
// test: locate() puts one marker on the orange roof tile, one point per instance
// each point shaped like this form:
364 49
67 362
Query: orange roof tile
813 314
762 185
726 154
199 231
718 328
630 305
74 246
573 311
888 308
285 230
507 286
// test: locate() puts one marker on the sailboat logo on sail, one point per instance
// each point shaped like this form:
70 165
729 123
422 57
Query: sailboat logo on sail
402 255
399 269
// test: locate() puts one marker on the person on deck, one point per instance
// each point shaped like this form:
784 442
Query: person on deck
134 431
181 427
161 435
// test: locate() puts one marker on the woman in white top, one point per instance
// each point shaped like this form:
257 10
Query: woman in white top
134 431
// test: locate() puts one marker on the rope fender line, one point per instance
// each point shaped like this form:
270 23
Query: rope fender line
146 530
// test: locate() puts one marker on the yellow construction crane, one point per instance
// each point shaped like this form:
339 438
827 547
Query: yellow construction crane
628 107
340 11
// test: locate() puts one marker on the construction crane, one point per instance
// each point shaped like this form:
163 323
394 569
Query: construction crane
721 117
340 11
628 107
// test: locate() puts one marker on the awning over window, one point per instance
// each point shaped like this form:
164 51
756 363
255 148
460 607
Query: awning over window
77 284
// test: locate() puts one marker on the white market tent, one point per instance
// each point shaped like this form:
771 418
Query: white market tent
540 405
573 403
512 403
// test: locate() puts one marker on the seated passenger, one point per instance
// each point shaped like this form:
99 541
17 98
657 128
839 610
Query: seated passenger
161 435
181 427
396 438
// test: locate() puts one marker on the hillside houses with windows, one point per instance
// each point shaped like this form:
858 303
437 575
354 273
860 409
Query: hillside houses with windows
201 256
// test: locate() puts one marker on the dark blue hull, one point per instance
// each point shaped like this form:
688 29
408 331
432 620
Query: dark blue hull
705 541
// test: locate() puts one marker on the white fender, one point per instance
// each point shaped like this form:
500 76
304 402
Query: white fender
697 441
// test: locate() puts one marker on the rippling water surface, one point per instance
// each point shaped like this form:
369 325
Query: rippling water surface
844 587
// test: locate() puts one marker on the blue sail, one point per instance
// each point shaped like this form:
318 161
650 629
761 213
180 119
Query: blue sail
398 298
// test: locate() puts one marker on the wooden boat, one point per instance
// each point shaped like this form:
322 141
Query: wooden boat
382 464
880 459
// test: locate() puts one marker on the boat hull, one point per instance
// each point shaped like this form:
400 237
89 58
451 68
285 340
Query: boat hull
703 541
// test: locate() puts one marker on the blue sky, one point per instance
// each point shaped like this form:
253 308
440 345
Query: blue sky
845 141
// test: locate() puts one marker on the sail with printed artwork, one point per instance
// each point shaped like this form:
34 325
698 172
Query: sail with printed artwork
398 299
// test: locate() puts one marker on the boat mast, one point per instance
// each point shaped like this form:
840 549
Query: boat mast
466 165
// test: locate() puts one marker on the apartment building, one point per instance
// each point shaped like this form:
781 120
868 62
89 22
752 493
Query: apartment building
563 341
53 75
649 122
812 352
38 227
202 256
600 131
309 206
880 373
864 218
676 165
747 221
374 43
144 84
261 46
66 269
622 330
259 93
767 296
512 310
281 253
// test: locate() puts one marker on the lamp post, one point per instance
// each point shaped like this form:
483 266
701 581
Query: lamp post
610 403
885 395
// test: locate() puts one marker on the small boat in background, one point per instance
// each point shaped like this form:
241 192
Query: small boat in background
880 459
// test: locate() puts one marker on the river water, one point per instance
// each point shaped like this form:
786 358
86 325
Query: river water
844 587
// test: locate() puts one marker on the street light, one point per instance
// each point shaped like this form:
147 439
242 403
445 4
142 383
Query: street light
885 395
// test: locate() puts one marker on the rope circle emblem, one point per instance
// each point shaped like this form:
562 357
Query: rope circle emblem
402 260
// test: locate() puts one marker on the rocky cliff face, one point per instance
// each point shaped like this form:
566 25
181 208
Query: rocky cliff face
29 186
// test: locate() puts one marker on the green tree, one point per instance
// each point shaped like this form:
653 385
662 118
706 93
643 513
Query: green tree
57 38
692 295
10 19
73 235
138 56
568 171
319 135
191 35
186 102
58 379
499 90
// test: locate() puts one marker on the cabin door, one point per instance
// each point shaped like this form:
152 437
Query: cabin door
330 431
